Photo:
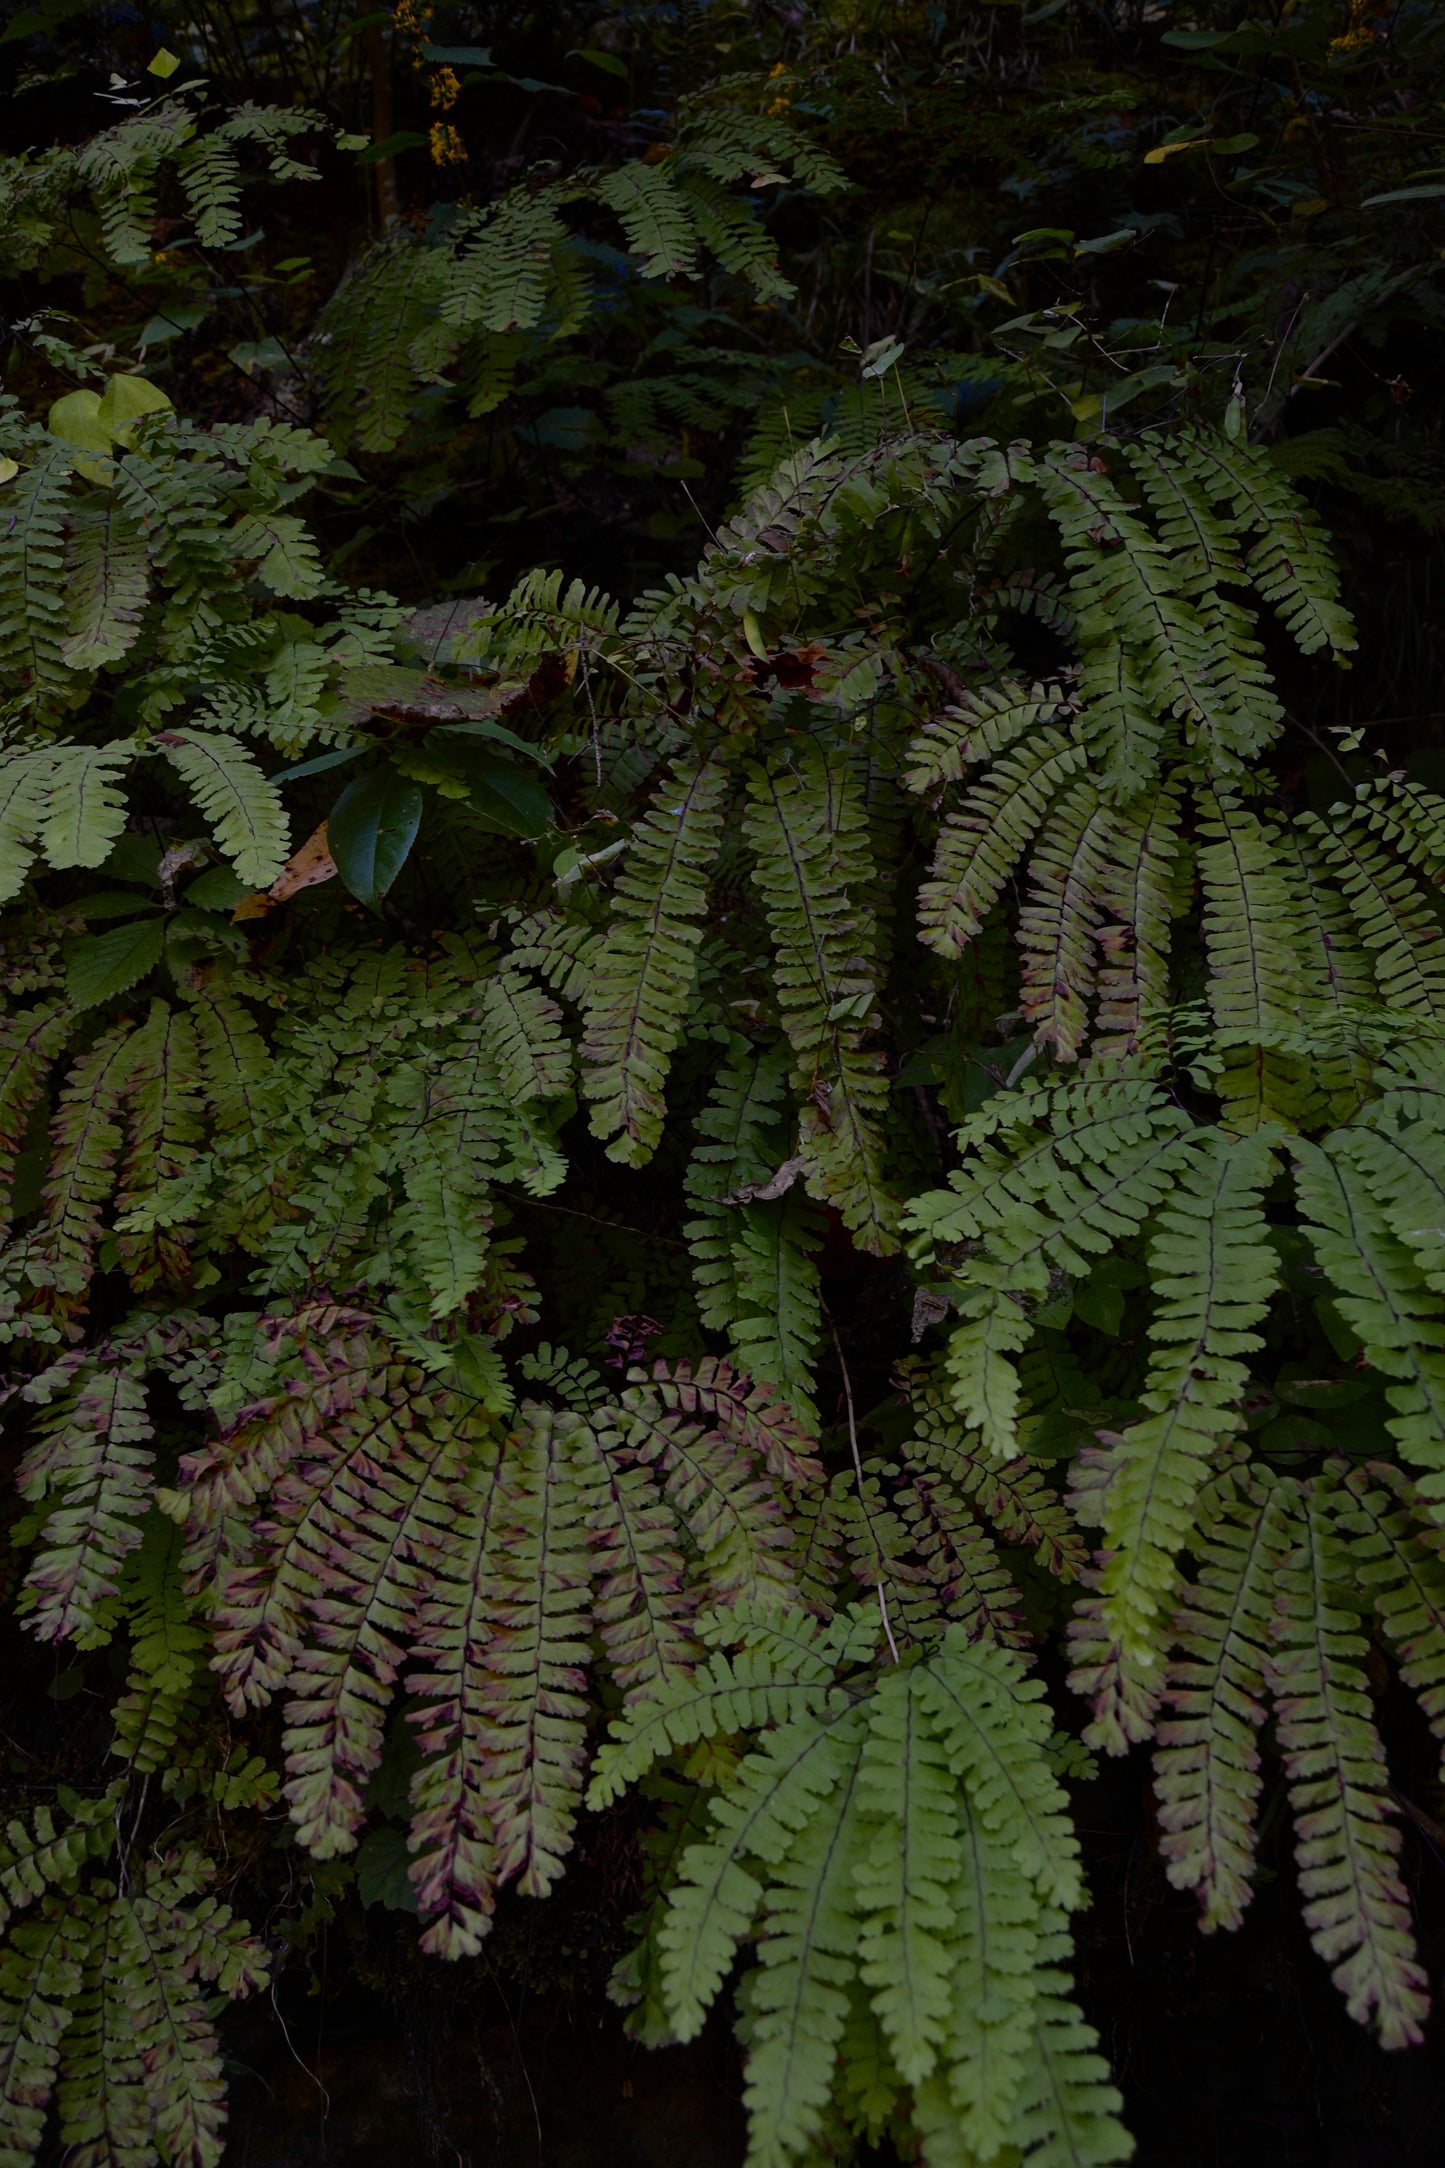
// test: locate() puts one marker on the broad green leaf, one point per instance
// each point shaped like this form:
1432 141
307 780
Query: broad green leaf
105 964
371 830
125 400
510 801
76 419
382 1877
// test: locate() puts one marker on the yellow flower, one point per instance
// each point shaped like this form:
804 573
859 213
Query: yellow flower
447 147
443 88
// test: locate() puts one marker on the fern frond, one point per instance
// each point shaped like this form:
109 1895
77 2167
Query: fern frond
979 846
778 1790
753 1263
32 573
655 218
1394 1554
85 1141
1136 897
738 1411
454 1872
1346 1838
162 1087
1384 1296
525 1038
984 722
93 1465
108 585
905 1888
636 1004
808 833
1068 875
1290 563
166 1653
247 817
1213 1271
1253 946
1056 1195
731 1512
542 1597
24 788
84 812
30 1041
1206 1762
41 1973
796 1999
1395 924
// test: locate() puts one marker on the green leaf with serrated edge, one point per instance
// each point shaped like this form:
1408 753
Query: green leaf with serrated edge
105 964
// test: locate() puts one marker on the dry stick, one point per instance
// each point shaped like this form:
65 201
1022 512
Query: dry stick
858 1472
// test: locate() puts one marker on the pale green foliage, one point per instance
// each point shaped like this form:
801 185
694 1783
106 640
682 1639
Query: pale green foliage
894 1836
753 1269
1053 1182
242 807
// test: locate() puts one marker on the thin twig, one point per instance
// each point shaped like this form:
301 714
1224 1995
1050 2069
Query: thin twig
858 1472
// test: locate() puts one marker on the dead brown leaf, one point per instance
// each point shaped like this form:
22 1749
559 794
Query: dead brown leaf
305 868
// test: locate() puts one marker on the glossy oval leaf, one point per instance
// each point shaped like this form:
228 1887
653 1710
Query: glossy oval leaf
509 801
371 829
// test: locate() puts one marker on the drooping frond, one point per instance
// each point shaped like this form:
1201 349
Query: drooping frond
754 1264
1253 947
1212 1269
92 1467
1383 1293
808 834
1206 1761
1082 1167
1058 926
1346 1834
246 814
1394 1555
979 846
636 1006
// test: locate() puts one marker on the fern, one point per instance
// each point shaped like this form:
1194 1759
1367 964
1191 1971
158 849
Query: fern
636 1002
92 1465
808 834
1048 1198
654 217
1394 1556
109 586
1381 1290
880 1837
979 846
250 825
1213 1271
32 575
1207 1761
1345 1839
